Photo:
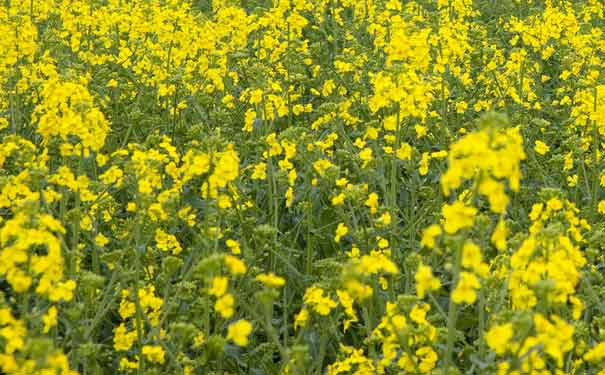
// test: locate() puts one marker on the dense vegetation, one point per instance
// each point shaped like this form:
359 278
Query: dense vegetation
302 187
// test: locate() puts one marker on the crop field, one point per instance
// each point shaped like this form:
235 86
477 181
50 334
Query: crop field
302 187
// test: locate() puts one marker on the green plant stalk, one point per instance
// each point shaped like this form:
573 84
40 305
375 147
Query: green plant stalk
208 305
76 225
309 255
289 99
443 102
273 209
95 258
481 318
368 319
323 341
437 305
521 78
394 175
595 150
285 316
137 302
411 206
268 313
138 314
106 303
452 314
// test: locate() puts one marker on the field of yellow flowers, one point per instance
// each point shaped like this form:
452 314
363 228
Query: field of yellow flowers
302 187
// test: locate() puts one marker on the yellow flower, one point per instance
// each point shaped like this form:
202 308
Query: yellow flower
418 313
429 235
498 337
154 353
289 195
572 180
390 123
457 216
226 169
314 296
384 220
235 265
219 286
461 107
338 199
328 87
428 358
596 354
67 110
372 202
50 319
249 118
127 308
224 306
472 259
239 331
366 156
494 191
541 148
199 340
374 263
256 96
554 204
347 303
421 131
234 246
491 154
167 242
321 166
341 230
101 240
123 340
127 365
113 175
301 318
556 337
465 291
536 211
499 235
423 167
260 172
63 290
223 201
271 280
577 307
404 152
425 280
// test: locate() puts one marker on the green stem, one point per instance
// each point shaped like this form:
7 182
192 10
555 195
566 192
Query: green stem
139 310
437 305
394 176
481 308
595 147
309 260
76 224
452 313
323 341
273 209
268 314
